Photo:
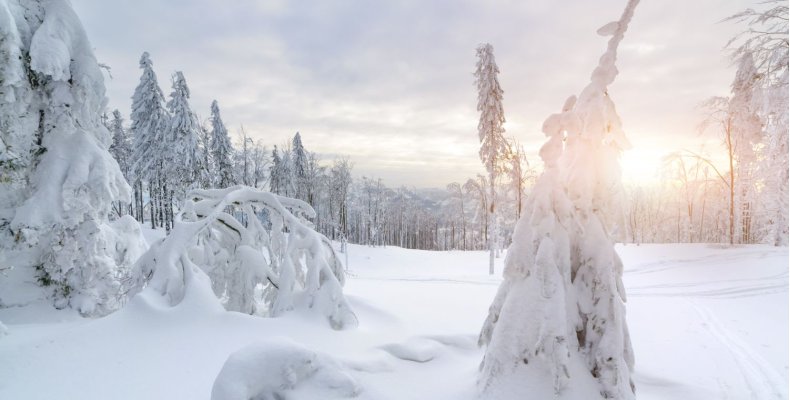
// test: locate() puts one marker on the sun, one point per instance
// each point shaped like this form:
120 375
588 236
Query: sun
641 166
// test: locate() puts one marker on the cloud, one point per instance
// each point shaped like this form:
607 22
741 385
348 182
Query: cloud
390 83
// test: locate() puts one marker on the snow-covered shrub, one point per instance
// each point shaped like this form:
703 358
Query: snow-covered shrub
57 180
281 369
221 232
557 323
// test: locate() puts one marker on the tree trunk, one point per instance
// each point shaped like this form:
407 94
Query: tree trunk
151 201
730 155
491 222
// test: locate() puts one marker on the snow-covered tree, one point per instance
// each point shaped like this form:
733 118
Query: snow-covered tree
185 166
765 43
455 191
294 266
260 165
243 158
275 179
299 167
740 127
339 185
557 325
207 177
221 149
150 123
121 150
286 173
58 180
519 173
477 188
493 146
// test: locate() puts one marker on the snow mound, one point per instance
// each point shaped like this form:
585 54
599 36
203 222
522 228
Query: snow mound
414 349
281 369
422 349
462 342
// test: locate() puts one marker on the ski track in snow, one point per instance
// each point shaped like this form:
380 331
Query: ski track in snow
434 280
724 288
761 379
717 258
771 286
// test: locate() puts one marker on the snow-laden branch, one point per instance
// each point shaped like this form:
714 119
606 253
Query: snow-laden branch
248 241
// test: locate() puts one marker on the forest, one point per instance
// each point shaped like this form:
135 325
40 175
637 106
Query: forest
165 252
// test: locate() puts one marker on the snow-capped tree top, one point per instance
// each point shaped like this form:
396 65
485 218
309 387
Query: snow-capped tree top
147 96
216 121
299 157
180 88
214 109
120 141
149 121
182 119
184 134
221 148
489 103
145 60
606 71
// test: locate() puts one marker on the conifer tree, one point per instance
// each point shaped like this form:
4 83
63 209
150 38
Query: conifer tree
560 311
299 167
149 125
207 178
62 181
185 162
274 172
493 145
221 149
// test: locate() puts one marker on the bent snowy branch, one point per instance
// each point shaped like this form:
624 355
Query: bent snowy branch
245 239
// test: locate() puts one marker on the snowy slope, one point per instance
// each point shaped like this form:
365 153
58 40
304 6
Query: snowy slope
707 323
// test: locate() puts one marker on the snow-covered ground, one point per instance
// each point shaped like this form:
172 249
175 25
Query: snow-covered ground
707 322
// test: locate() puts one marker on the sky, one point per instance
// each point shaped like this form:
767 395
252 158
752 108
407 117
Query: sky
390 85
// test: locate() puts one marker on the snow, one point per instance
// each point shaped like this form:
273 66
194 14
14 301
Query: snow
280 368
723 310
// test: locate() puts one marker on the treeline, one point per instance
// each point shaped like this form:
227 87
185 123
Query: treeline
166 151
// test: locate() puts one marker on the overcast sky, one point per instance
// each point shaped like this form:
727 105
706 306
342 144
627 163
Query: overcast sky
390 84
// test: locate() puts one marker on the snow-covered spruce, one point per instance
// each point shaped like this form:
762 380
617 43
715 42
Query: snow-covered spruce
150 122
280 369
557 327
493 145
183 166
300 168
58 181
221 150
242 252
